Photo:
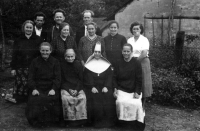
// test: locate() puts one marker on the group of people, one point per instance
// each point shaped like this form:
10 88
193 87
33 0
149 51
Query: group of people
87 79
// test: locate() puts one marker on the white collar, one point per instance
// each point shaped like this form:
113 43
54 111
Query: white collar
97 66
38 29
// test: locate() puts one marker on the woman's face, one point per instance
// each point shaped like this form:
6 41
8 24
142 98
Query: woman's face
113 29
28 28
126 52
45 51
91 30
65 31
70 57
97 54
136 30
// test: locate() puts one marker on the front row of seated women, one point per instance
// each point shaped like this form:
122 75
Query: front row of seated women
87 93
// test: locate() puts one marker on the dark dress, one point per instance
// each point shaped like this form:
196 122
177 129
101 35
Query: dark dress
81 32
24 51
128 76
101 106
44 76
72 75
113 47
60 46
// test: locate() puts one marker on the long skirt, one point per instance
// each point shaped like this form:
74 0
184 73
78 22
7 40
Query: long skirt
101 109
146 78
128 108
74 108
43 108
20 91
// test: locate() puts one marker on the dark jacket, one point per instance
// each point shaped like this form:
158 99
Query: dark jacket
24 51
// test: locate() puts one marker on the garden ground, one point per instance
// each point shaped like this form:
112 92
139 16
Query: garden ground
158 118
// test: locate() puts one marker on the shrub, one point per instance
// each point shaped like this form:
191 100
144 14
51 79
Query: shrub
162 56
173 89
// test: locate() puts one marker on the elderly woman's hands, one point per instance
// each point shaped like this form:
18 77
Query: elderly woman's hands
94 90
73 92
105 90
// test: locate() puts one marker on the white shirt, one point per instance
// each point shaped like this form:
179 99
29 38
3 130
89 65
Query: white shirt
38 31
141 44
86 32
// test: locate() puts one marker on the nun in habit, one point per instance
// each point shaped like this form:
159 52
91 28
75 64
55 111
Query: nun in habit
72 94
98 84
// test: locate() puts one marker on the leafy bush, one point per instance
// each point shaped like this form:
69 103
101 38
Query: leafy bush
190 66
173 89
162 56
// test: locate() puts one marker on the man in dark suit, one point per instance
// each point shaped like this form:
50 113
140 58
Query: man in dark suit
82 31
39 30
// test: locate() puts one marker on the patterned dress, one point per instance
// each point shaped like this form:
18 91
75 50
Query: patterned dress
60 46
85 47
24 51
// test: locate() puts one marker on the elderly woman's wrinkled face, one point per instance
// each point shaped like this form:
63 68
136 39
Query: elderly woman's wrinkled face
136 30
65 31
45 51
28 29
113 29
97 54
59 18
70 57
91 30
126 52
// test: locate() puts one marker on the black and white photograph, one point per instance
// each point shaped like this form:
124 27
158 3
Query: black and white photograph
99 65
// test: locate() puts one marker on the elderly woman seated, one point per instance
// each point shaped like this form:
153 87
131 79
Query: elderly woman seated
44 79
127 84
72 94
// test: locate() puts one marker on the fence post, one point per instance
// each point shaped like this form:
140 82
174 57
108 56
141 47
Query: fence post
179 47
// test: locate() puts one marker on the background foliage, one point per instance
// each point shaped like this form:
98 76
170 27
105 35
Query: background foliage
173 84
15 12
